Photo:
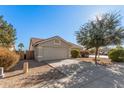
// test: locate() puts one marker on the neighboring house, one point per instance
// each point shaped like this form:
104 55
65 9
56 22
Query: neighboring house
52 48
104 50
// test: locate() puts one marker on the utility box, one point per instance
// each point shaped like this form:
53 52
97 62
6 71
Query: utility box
25 67
1 72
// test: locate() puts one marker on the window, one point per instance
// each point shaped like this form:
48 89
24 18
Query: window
57 42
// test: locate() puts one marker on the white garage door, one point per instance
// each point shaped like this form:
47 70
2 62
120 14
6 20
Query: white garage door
50 53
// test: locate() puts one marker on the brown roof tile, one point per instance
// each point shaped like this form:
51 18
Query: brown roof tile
33 41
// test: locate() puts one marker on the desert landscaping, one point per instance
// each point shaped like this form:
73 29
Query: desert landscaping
84 54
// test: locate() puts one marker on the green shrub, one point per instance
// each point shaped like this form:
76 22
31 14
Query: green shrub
75 53
8 59
84 53
116 54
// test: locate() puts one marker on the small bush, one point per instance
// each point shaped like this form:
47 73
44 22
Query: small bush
84 53
75 53
116 54
8 59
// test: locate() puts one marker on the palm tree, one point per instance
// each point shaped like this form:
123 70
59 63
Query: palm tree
21 46
100 32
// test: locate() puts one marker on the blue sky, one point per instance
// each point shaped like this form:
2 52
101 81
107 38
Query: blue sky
47 21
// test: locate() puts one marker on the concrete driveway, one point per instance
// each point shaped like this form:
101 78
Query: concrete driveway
87 75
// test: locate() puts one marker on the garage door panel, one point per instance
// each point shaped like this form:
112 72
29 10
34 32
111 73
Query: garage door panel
50 53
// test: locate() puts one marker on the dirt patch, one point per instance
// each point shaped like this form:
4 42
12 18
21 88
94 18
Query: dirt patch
41 73
16 78
102 61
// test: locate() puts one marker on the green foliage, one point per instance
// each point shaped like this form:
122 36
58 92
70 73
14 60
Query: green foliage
84 53
7 33
116 54
75 53
102 31
21 46
119 46
8 59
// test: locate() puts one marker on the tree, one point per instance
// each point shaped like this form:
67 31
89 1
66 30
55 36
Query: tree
21 46
119 46
7 33
103 31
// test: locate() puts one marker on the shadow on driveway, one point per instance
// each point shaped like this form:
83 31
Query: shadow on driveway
81 75
78 75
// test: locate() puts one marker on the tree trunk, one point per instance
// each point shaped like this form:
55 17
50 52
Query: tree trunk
96 53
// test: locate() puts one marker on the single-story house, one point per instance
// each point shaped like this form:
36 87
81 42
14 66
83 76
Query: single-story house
52 48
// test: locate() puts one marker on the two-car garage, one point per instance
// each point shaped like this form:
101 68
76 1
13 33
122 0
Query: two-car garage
52 49
52 53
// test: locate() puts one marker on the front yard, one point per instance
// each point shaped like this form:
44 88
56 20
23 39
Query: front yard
15 78
77 73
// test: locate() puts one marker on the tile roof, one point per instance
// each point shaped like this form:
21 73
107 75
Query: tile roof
33 41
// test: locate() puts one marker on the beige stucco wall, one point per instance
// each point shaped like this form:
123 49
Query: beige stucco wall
50 51
38 53
51 43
